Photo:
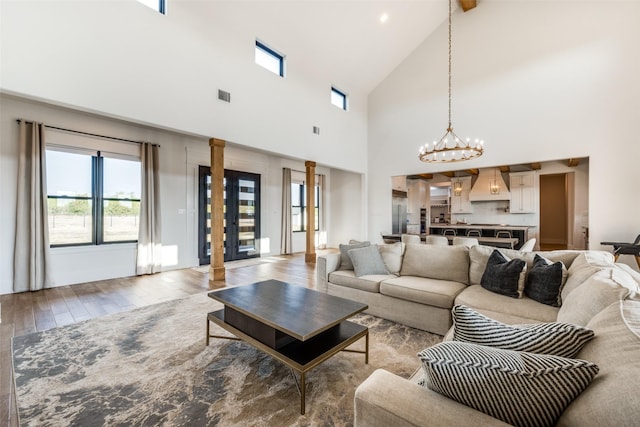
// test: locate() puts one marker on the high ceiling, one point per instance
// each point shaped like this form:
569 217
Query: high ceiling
345 40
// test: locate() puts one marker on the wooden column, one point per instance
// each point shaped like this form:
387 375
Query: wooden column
216 269
310 254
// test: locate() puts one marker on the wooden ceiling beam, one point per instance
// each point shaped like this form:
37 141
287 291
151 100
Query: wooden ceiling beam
505 169
535 166
573 162
467 4
448 174
425 176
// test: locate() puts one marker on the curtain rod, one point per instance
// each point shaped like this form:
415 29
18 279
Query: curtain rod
87 133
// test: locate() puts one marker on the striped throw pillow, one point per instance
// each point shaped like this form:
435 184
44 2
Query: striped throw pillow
559 339
519 388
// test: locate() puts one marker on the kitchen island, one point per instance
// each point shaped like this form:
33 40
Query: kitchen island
488 232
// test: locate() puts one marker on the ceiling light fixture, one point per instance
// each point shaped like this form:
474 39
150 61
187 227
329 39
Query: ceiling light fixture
450 148
457 188
384 18
494 187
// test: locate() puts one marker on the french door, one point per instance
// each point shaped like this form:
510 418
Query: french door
241 215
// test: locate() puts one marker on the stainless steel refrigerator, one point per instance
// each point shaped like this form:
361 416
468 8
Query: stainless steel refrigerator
399 215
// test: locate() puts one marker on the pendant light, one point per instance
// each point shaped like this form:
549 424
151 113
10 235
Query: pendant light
450 148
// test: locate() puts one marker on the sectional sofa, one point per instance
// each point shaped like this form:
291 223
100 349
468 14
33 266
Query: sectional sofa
422 284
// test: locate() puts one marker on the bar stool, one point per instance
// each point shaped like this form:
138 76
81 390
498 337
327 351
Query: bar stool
504 234
449 232
474 233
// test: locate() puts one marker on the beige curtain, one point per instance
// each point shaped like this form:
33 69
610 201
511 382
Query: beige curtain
149 239
31 252
286 233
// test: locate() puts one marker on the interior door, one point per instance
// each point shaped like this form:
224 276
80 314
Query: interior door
553 212
241 215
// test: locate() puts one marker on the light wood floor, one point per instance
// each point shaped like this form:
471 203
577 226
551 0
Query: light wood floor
36 311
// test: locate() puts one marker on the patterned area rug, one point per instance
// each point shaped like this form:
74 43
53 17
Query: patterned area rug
150 367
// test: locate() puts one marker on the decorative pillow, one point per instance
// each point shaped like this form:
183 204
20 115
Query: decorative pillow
502 276
598 292
392 256
558 339
345 261
437 262
367 260
544 281
519 388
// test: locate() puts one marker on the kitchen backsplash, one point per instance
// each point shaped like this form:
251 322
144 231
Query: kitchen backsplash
494 213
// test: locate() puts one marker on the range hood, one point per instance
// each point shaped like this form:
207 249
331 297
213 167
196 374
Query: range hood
488 178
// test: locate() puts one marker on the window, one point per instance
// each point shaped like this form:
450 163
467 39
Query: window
92 199
158 5
269 59
298 207
338 98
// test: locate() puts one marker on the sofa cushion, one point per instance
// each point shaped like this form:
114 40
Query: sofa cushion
612 398
544 281
345 260
367 261
348 279
598 292
504 276
479 255
520 388
437 262
434 292
506 309
559 339
585 265
392 256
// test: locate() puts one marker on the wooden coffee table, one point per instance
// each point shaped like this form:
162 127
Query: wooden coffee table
298 326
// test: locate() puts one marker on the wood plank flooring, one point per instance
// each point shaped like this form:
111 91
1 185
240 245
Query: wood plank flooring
28 312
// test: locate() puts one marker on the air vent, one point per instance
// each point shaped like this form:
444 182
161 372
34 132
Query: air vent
224 96
316 130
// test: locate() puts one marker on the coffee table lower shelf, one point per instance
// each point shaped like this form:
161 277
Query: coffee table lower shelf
301 356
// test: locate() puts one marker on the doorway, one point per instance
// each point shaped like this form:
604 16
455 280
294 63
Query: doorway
241 215
554 212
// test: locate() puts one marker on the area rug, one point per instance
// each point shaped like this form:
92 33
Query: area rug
150 367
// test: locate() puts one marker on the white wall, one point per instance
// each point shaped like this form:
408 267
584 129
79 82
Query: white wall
180 156
538 81
348 208
123 59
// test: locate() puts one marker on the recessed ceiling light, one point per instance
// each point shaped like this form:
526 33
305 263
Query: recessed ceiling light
384 18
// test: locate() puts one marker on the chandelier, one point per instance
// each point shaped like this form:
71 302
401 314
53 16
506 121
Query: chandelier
451 148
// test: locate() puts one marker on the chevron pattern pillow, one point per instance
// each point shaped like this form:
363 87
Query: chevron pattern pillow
559 339
519 388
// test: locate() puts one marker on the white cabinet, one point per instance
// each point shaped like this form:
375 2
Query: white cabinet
523 191
460 203
417 198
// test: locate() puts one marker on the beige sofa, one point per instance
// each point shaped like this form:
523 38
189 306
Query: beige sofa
598 294
427 280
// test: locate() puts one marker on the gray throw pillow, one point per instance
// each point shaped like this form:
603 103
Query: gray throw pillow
345 261
503 276
367 260
544 281
519 388
558 339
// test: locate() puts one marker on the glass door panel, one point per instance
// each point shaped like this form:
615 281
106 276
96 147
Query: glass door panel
241 215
